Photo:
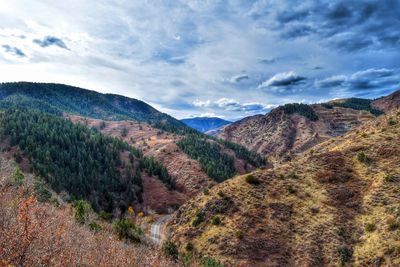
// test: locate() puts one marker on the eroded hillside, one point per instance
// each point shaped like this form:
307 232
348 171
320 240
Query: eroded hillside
279 135
338 204
285 131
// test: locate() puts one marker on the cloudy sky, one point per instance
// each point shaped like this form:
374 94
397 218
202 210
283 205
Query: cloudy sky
206 57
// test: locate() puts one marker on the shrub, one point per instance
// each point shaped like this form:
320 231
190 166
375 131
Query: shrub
105 216
291 190
210 262
392 122
221 194
370 227
251 179
340 231
239 234
95 227
199 218
206 192
344 255
18 177
363 135
128 231
41 192
189 246
216 220
54 202
362 157
390 178
82 210
169 249
393 225
292 175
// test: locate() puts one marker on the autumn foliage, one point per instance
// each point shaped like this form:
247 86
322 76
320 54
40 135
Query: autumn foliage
38 234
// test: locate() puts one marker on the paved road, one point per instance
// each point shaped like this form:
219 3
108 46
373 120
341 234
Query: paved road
155 230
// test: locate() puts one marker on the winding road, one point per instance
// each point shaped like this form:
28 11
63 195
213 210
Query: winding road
155 230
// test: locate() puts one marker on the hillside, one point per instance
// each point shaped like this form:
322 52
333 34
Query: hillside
293 128
58 99
190 176
204 124
388 103
39 228
80 161
177 165
336 205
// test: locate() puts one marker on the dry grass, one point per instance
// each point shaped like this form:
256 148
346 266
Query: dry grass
323 223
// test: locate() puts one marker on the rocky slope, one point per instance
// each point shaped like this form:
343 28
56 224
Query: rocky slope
279 135
388 103
338 204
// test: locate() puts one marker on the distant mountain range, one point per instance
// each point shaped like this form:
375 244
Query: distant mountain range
205 124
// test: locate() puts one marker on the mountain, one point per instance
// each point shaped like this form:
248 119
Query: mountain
293 128
388 103
204 124
158 160
335 205
59 98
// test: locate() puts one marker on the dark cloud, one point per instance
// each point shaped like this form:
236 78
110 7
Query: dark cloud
296 31
14 51
333 81
282 80
373 78
348 25
369 79
51 41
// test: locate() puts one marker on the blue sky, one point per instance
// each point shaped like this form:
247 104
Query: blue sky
206 58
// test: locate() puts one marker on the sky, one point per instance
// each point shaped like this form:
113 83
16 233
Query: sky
222 58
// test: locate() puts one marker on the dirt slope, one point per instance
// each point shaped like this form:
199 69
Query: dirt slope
336 205
389 102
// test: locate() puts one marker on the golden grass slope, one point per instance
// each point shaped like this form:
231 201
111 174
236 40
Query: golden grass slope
337 204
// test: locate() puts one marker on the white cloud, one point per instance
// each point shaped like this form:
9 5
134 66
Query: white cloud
170 53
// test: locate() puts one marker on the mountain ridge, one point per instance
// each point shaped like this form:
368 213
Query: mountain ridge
205 124
281 134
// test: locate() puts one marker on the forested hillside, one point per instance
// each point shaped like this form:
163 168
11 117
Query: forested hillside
59 98
213 158
216 157
79 160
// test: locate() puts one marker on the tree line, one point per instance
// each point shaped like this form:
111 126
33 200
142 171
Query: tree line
79 160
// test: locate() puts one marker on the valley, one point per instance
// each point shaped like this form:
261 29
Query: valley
297 186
